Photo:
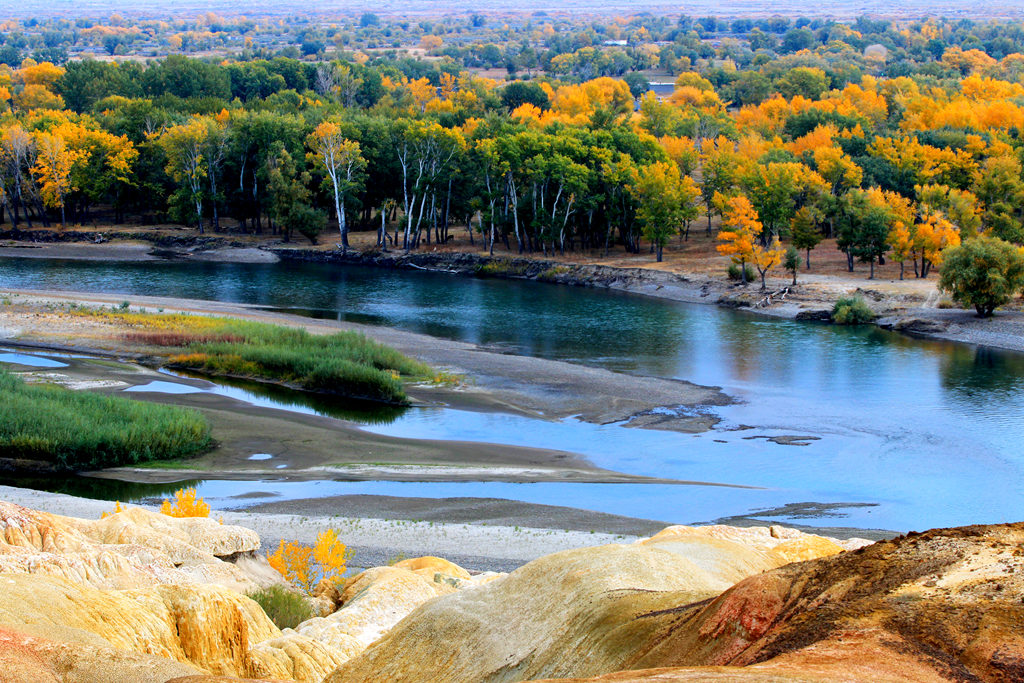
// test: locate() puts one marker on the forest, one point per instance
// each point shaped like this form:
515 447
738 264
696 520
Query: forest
898 139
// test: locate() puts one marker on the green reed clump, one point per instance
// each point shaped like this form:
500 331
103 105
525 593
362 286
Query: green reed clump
286 607
77 430
343 363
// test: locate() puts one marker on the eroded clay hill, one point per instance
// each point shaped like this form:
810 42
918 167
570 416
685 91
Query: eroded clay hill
944 605
139 596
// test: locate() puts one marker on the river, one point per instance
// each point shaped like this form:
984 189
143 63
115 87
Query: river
910 433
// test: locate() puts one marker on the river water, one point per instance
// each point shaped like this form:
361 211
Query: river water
911 433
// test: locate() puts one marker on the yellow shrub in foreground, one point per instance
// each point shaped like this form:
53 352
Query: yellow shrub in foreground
303 566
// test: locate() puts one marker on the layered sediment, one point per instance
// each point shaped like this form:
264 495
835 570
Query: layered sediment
138 595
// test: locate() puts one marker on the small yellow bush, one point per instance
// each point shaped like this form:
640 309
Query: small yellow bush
303 566
185 505
117 508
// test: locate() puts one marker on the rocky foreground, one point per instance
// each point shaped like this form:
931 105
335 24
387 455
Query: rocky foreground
139 596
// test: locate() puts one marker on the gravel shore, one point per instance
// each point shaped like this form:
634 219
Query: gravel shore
375 541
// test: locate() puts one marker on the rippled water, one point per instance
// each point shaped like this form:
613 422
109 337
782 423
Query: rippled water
928 431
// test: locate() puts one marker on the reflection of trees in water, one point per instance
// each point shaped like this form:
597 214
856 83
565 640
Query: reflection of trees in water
624 333
351 410
970 373
95 487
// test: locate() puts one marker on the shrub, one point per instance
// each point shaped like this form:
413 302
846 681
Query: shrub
117 508
78 430
185 505
852 311
286 607
984 273
304 566
735 273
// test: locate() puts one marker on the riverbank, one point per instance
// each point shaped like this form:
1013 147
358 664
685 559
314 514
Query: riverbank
478 534
910 306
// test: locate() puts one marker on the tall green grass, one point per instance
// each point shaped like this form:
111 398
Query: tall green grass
74 430
344 363
286 607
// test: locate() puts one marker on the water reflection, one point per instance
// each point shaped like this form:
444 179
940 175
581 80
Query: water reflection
977 377
271 396
98 488
921 426
30 360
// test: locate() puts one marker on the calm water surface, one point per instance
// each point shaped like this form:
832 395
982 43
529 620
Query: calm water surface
928 432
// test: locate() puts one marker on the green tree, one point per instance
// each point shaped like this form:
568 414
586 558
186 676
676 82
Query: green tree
1001 192
863 228
720 166
805 231
183 77
791 261
88 81
751 87
983 272
806 81
290 196
518 93
637 82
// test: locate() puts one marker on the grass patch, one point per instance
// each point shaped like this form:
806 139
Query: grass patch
76 430
501 268
552 274
344 363
286 607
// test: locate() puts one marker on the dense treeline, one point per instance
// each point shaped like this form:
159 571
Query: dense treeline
820 143
584 45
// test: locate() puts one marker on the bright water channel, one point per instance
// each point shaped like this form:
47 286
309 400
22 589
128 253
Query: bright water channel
927 433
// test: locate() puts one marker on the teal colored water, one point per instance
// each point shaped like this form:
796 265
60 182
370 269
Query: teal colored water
926 432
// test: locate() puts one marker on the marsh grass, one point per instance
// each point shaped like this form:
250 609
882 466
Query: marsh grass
286 607
77 430
343 363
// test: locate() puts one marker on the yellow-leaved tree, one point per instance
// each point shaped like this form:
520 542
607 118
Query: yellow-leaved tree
740 227
184 145
740 230
53 166
304 566
901 241
933 234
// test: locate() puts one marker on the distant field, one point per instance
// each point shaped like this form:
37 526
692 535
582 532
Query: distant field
745 8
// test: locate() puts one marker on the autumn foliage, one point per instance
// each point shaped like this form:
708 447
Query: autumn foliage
897 139
185 504
304 566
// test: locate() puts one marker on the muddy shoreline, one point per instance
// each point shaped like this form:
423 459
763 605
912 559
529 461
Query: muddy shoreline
309 446
525 385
